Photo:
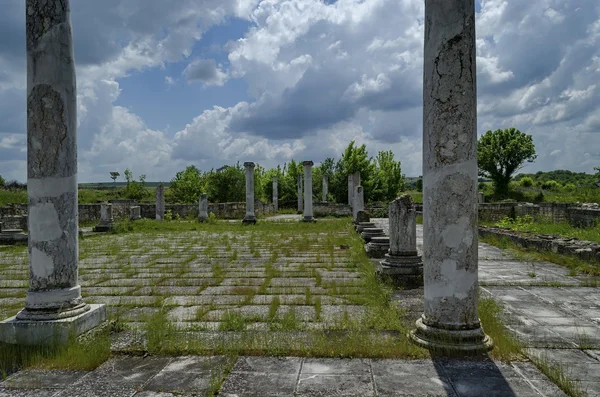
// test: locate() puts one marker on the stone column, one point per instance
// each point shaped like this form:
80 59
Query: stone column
359 203
249 218
135 213
275 194
308 205
300 200
480 198
160 202
106 219
350 191
356 179
203 208
449 322
402 262
325 187
54 308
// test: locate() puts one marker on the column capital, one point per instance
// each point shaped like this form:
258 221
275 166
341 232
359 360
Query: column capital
308 162
249 164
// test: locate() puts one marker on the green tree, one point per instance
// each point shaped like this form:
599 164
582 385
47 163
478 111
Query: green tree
501 153
134 190
2 182
228 185
388 179
187 185
353 159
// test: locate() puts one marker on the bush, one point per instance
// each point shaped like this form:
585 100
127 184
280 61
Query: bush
551 185
526 181
569 187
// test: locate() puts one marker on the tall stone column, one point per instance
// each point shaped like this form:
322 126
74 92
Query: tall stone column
300 200
351 191
54 308
325 187
275 194
160 202
203 208
250 217
359 202
450 322
308 205
402 263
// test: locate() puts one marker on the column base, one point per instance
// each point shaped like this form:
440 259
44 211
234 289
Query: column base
308 219
202 220
135 218
403 271
31 332
103 227
377 247
249 220
450 341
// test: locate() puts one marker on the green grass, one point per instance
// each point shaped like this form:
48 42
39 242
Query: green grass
506 347
13 197
77 354
563 229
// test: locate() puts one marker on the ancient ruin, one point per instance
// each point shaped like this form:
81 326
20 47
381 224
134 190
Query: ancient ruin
402 264
135 213
450 322
300 196
54 308
275 194
106 218
308 204
160 202
359 203
203 208
325 187
250 218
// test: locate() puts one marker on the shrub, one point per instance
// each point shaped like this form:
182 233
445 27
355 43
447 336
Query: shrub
551 185
526 181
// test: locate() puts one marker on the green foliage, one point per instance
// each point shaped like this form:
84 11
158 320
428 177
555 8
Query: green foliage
228 185
501 153
388 180
2 182
563 177
187 185
517 224
13 197
420 184
526 182
551 185
135 190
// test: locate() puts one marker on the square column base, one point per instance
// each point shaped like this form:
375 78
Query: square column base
249 220
308 219
15 331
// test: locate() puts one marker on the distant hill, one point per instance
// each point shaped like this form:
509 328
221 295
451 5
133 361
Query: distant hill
561 176
118 185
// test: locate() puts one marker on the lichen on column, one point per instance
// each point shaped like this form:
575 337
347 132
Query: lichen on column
308 205
250 217
449 321
51 164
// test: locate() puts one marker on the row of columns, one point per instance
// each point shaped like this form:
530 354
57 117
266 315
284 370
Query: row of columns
54 308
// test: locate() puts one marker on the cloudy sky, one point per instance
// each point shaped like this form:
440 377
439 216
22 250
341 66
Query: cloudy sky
165 84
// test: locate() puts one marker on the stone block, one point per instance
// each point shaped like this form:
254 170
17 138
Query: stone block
135 213
15 331
378 247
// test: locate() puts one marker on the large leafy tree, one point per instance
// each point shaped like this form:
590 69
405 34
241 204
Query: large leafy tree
187 185
228 185
501 153
388 179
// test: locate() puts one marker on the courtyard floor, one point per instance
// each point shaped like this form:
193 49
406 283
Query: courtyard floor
238 295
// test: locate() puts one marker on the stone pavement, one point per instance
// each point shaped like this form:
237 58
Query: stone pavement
555 314
288 376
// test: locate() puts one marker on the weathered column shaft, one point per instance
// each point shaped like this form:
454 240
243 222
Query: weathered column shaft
403 226
325 187
160 202
359 201
203 208
275 194
250 217
450 319
308 205
350 190
106 213
51 161
300 197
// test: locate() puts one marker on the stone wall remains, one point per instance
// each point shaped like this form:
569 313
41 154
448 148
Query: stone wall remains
585 250
321 208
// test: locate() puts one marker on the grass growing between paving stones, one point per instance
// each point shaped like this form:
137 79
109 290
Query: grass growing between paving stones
506 347
77 354
576 265
295 320
558 374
